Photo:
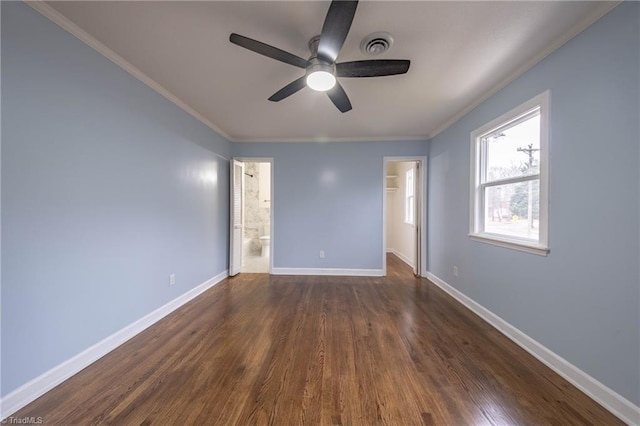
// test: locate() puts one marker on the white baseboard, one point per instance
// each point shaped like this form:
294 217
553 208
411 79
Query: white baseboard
402 257
329 271
618 405
50 379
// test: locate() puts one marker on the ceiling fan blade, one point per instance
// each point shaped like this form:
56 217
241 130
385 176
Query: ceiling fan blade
339 98
335 29
269 51
289 89
372 68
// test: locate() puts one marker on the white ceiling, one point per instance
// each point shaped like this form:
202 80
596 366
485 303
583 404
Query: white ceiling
460 53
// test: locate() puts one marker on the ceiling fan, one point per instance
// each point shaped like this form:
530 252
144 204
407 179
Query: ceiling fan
321 67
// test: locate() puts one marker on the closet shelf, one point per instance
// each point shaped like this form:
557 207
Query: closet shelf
391 185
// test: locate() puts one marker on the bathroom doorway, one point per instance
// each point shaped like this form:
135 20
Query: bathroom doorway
404 211
251 206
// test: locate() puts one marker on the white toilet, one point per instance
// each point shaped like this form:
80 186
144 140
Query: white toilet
246 246
265 241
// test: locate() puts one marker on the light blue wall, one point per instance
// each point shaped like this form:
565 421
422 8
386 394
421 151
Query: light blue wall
328 196
107 188
582 300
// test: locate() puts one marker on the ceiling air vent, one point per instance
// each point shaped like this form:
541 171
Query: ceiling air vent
376 43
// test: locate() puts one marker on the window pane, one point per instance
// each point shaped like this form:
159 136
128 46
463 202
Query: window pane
408 210
408 197
408 190
508 210
514 150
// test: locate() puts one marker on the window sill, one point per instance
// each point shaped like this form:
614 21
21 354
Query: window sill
510 244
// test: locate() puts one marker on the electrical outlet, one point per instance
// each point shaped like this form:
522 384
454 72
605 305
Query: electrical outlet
172 279
455 271
321 254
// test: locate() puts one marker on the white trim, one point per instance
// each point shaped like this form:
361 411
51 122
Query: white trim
58 374
314 139
421 203
510 181
329 271
69 26
91 41
548 50
618 405
478 168
510 244
402 257
235 241
385 163
269 160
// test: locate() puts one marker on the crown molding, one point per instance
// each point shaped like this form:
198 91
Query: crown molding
72 28
75 30
607 7
60 20
334 139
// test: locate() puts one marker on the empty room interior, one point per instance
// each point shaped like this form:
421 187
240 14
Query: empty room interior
192 232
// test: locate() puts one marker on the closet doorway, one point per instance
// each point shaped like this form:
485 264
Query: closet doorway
404 211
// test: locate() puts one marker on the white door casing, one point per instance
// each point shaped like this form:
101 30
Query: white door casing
420 215
236 217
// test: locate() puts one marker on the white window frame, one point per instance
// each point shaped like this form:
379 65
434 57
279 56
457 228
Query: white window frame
409 197
478 166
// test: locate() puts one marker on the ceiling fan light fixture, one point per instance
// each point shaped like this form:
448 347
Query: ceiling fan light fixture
321 77
321 81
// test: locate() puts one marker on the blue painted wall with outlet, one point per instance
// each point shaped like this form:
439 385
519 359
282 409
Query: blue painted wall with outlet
107 189
328 205
115 201
581 301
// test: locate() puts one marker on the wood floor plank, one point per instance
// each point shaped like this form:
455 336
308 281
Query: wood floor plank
289 350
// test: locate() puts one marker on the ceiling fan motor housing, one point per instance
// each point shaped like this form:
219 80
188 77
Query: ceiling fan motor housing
318 65
313 45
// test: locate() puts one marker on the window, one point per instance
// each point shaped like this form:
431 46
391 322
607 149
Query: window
509 178
409 198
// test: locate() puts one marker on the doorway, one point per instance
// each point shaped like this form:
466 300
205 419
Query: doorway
404 212
251 213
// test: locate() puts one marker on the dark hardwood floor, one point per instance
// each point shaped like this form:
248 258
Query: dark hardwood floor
291 350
